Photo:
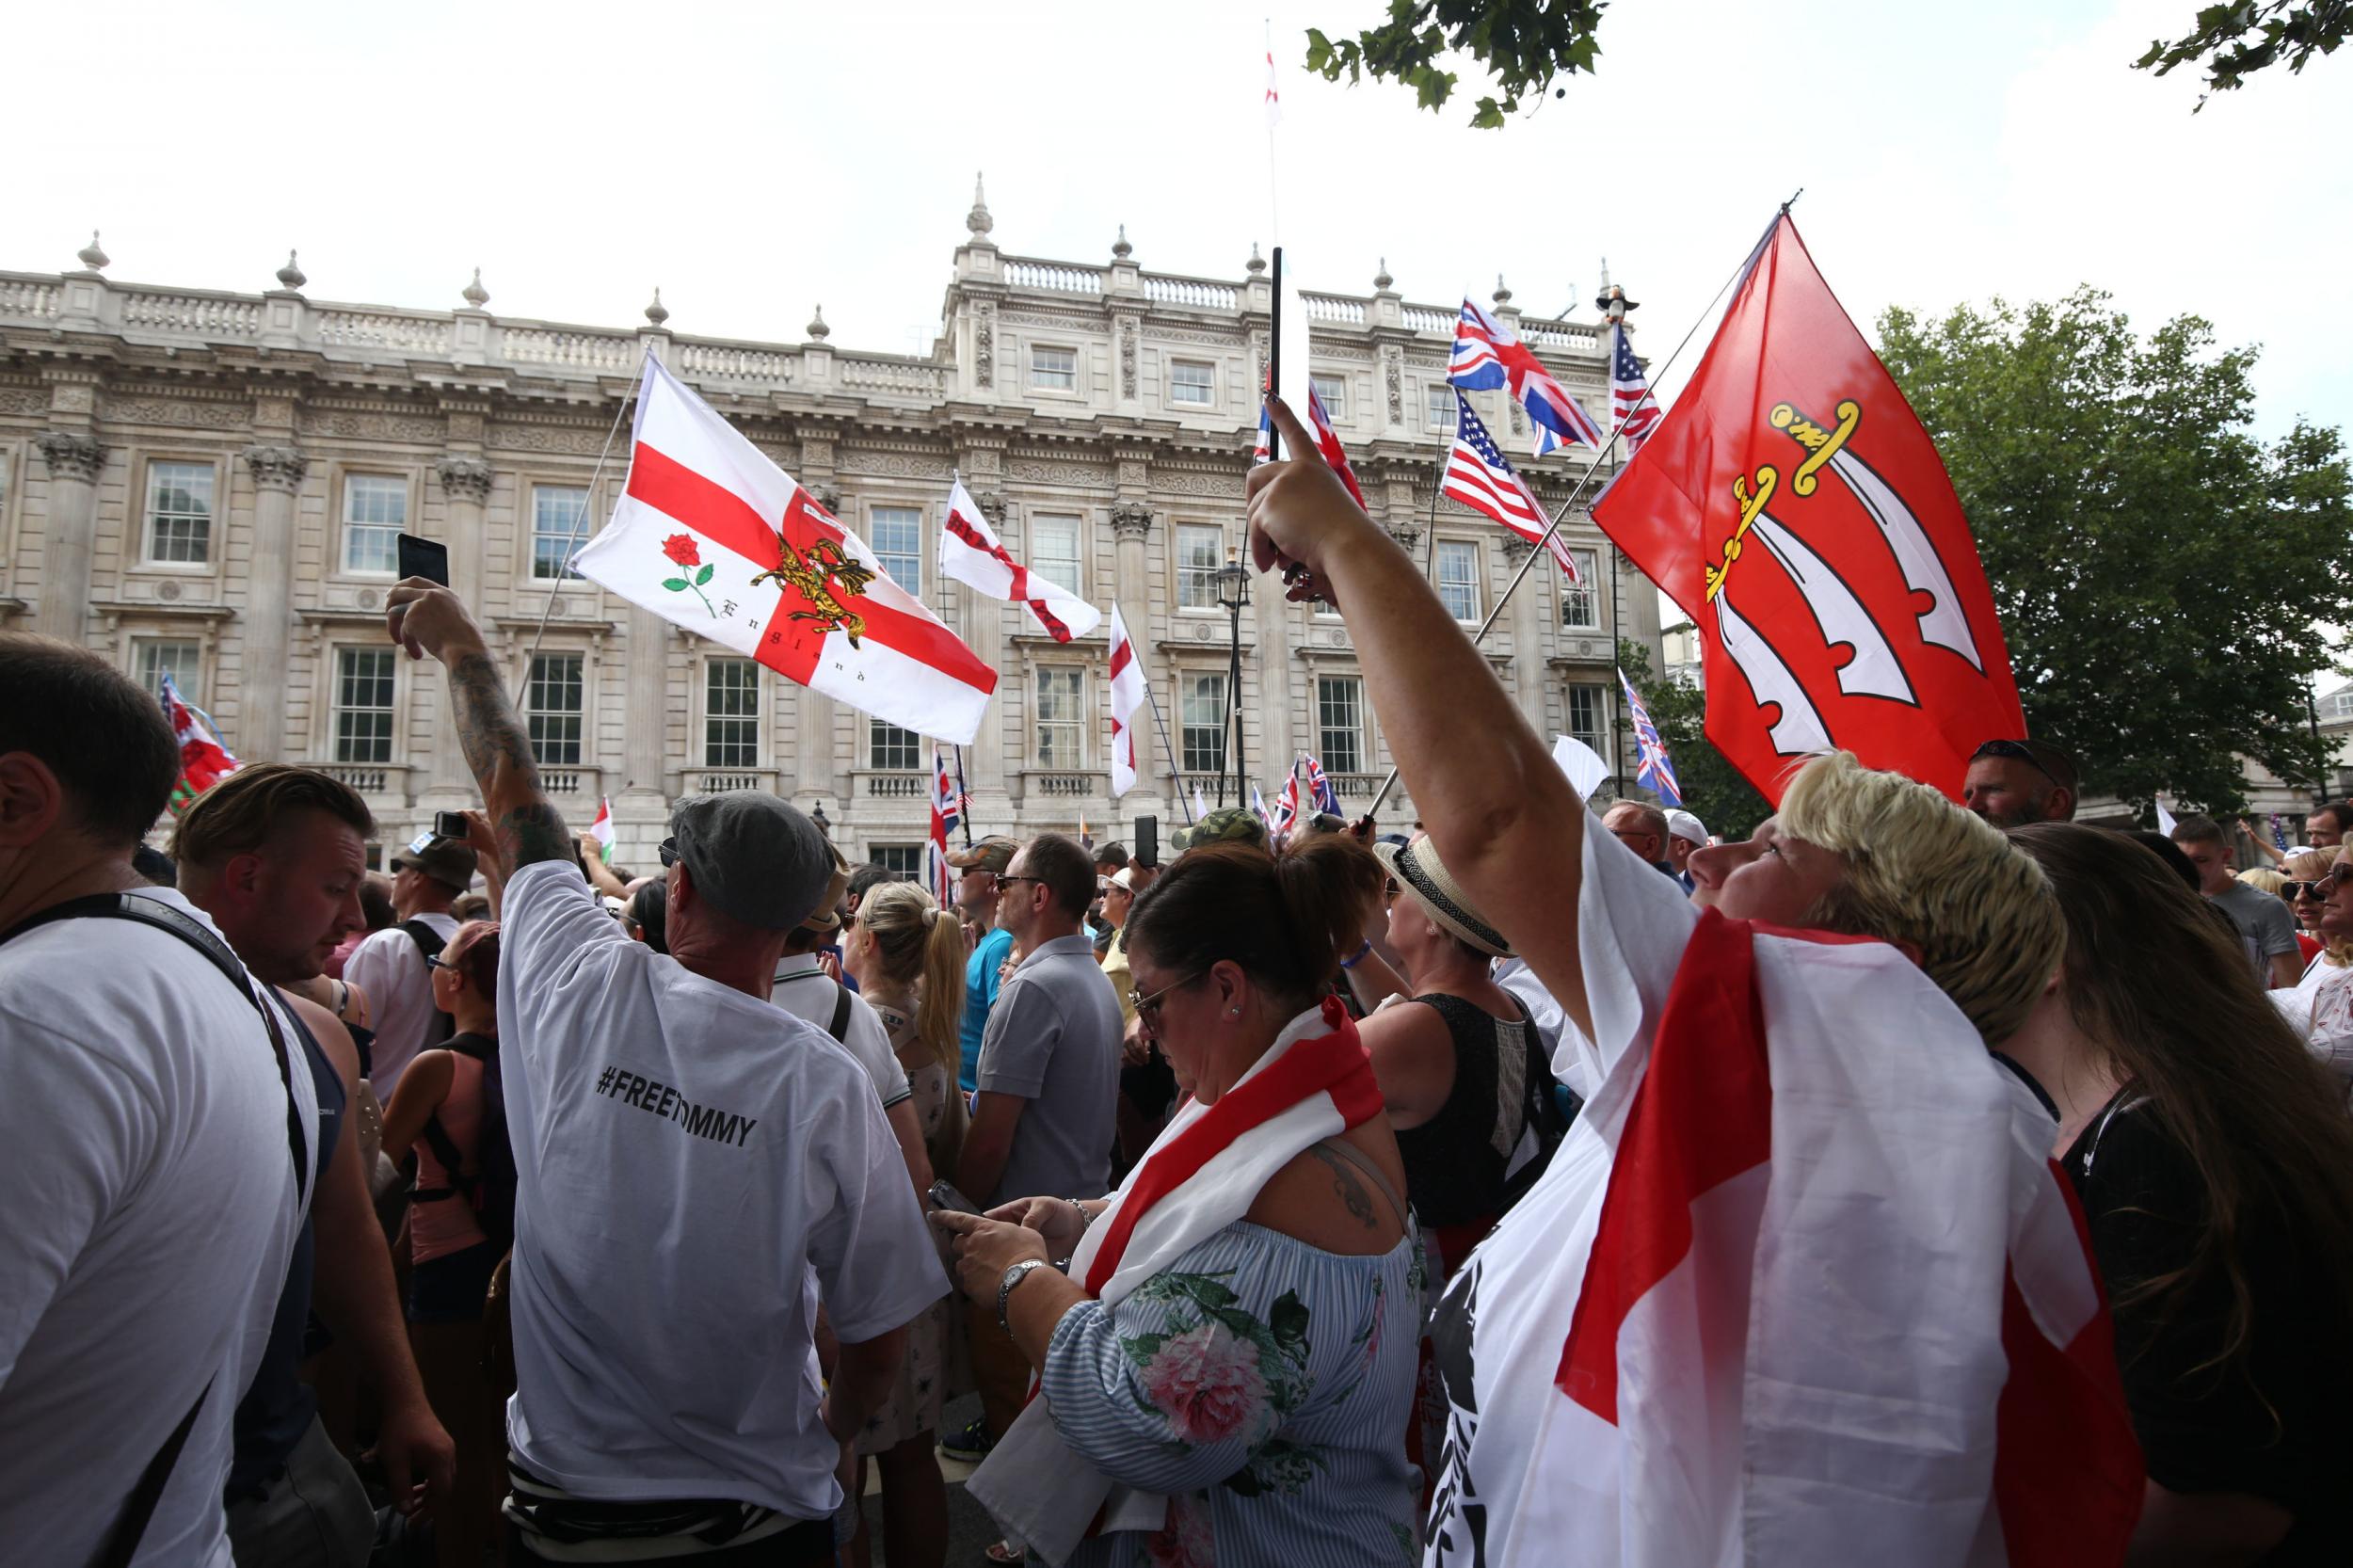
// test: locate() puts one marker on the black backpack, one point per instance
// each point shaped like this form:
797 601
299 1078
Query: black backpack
488 1189
429 945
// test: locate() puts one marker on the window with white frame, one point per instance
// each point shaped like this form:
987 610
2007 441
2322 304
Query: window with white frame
1054 549
153 658
1053 369
559 525
898 541
364 704
1191 383
2341 704
376 510
180 513
1341 722
1588 720
554 705
1060 722
1200 551
1201 705
1458 578
1443 408
731 713
890 747
1332 391
1580 600
905 862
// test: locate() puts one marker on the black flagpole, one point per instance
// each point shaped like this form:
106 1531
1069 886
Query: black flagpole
964 816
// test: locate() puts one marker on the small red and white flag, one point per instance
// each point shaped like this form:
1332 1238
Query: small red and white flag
601 829
1128 694
711 536
970 553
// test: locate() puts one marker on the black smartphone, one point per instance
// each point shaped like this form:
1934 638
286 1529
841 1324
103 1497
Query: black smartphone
944 1195
426 558
450 824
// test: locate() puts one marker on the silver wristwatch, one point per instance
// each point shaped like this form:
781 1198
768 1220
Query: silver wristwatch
1004 1286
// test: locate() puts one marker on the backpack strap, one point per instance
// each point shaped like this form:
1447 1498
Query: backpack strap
122 1542
445 1150
840 1028
429 942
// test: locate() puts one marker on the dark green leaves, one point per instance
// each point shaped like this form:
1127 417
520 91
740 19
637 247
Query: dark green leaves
1523 45
2235 42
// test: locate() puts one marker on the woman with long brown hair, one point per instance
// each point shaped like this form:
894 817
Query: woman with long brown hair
2214 1158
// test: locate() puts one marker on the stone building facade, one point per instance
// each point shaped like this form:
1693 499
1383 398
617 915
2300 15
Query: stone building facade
210 483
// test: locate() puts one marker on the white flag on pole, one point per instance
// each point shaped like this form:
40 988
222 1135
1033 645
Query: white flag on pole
1126 696
970 553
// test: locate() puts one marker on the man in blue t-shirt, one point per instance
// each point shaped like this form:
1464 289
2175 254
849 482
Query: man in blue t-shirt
976 897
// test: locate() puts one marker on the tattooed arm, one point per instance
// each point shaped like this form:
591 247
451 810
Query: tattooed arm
428 618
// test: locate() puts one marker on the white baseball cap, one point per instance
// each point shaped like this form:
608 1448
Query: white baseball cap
1682 824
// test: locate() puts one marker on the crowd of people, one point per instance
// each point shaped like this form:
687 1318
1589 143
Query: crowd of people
522 1210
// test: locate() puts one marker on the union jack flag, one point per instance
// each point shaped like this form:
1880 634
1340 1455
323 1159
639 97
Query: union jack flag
1630 402
1286 805
1319 791
1651 771
1489 354
1257 804
1327 441
948 806
1481 477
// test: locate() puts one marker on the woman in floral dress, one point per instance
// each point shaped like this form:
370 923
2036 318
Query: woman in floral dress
1226 1370
907 956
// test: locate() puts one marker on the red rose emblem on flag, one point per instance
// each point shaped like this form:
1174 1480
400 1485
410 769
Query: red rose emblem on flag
681 549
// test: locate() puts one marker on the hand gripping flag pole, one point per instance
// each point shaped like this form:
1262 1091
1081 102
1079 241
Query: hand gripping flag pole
1544 543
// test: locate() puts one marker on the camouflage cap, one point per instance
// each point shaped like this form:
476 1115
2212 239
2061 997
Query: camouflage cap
992 854
1231 825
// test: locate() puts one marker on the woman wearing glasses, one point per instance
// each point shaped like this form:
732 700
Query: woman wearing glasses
1226 1369
2321 1005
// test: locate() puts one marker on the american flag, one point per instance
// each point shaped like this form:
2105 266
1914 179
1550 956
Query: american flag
948 804
1320 788
1489 354
1630 402
1481 477
1651 771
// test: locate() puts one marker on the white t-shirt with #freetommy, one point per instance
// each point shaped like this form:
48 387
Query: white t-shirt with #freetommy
150 1212
693 1167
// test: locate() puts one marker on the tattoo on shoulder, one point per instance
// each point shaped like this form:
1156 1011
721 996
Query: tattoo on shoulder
1344 1182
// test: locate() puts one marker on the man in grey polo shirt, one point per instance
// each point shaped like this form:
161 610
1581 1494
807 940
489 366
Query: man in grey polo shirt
1048 1074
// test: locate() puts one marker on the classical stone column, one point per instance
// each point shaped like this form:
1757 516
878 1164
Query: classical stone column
645 719
268 622
73 459
466 484
1131 525
1528 662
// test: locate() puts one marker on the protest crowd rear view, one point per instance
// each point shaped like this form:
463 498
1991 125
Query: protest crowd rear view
1925 1179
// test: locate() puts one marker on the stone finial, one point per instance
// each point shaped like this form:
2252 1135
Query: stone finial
1502 295
817 329
290 276
474 294
978 219
1382 279
1256 264
657 313
1605 274
1120 247
92 258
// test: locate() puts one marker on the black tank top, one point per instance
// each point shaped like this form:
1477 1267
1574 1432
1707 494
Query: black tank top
1455 1162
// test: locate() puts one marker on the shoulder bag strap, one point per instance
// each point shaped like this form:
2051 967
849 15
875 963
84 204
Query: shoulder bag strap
122 1542
840 1028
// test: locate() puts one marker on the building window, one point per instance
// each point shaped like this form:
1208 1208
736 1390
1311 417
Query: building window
1055 369
1054 549
2341 704
156 657
890 747
731 713
1458 578
905 862
1332 391
558 526
1200 551
898 540
180 513
1586 722
364 704
1201 699
1442 408
1191 383
1059 725
555 700
1341 722
376 510
1580 600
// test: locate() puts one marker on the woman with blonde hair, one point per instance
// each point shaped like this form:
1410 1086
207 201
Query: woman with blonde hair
2320 1004
2300 889
907 956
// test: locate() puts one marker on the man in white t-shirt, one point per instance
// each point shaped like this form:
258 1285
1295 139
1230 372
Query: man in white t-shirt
147 1120
694 1168
390 966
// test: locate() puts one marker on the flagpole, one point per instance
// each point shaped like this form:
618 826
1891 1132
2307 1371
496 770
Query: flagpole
1175 773
571 540
964 812
1544 543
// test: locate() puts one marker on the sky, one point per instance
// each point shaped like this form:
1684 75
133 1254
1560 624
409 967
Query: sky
755 161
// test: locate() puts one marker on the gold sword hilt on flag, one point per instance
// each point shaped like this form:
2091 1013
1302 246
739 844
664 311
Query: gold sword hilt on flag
1820 443
1752 505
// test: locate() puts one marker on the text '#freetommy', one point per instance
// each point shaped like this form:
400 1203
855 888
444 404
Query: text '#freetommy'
661 1100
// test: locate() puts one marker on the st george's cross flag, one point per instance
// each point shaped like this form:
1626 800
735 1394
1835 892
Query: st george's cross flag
937 874
1481 477
1489 354
1794 508
711 536
970 553
204 757
1128 694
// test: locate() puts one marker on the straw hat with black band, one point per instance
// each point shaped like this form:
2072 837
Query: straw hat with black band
1419 871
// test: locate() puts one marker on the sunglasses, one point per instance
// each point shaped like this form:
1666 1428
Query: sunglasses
2018 750
435 960
2312 890
1148 1008
1004 878
669 853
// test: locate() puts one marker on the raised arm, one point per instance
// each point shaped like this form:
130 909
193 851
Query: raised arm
428 618
1501 811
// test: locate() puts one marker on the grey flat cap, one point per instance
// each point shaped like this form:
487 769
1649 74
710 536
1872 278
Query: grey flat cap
757 858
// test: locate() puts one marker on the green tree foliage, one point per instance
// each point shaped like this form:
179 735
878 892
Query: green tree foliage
2233 42
2159 571
1523 44
1713 790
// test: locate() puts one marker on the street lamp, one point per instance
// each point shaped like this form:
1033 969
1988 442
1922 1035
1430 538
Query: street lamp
818 816
1233 592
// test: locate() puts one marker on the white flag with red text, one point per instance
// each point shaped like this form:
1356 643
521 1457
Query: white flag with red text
970 553
1126 696
710 534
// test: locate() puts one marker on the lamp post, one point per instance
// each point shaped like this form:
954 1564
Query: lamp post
1233 592
817 815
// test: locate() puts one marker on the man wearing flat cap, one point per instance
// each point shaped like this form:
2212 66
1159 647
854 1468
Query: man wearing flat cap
687 1157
